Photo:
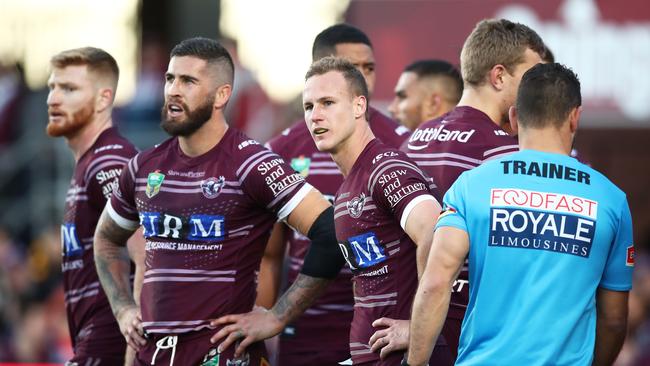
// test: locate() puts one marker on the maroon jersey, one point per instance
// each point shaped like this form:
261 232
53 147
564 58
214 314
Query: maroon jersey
458 141
326 325
93 328
371 209
444 148
206 221
387 130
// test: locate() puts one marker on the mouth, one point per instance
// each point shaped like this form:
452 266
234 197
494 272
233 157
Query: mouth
174 110
319 131
55 115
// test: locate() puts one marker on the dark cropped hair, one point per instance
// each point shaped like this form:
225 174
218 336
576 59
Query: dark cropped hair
453 85
326 41
355 80
547 94
209 50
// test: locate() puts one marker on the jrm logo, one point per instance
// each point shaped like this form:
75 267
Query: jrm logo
196 227
366 249
70 245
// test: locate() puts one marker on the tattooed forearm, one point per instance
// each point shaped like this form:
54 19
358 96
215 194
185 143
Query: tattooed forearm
298 297
113 263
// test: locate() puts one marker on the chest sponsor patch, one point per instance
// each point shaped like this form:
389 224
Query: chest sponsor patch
541 220
363 251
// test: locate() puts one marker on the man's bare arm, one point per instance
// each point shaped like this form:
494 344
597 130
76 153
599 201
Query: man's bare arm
258 325
450 246
269 278
611 325
114 268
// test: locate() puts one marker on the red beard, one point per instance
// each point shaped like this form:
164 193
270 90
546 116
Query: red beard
70 126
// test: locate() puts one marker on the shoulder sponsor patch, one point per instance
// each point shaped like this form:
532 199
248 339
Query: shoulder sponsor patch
629 258
542 220
448 210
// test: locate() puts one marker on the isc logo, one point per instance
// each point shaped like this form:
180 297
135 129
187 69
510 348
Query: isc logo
366 249
70 245
197 227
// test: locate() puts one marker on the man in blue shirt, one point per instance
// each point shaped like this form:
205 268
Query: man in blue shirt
549 242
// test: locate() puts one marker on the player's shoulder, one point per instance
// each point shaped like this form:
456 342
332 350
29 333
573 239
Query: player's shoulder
289 137
381 124
600 181
450 133
382 159
112 143
156 150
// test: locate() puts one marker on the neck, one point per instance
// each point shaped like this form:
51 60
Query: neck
548 140
350 149
485 101
86 137
205 138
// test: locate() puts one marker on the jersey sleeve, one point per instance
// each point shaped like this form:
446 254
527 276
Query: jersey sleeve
102 178
121 207
453 208
272 183
399 185
617 275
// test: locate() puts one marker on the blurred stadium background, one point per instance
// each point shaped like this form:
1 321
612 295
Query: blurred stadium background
606 42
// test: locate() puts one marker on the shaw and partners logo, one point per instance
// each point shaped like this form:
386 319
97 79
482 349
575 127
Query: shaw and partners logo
363 251
541 220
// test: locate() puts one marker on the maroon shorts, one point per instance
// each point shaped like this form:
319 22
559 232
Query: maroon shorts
80 360
440 357
194 348
102 344
316 340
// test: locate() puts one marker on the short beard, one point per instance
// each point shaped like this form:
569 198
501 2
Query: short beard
73 125
195 119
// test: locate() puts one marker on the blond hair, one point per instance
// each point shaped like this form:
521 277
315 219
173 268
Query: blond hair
496 42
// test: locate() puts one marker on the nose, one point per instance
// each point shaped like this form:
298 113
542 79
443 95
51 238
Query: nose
316 114
172 87
53 97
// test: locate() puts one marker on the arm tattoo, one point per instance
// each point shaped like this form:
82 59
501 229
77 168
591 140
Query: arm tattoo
113 262
299 296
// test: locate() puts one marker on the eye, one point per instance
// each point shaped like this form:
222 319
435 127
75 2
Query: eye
328 102
308 107
169 78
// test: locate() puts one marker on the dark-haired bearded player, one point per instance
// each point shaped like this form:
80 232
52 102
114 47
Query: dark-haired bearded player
207 199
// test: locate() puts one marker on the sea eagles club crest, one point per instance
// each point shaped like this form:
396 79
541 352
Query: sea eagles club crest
355 205
211 187
154 181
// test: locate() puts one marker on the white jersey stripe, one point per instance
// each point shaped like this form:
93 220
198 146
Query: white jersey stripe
122 222
446 163
188 279
411 205
417 156
293 202
500 148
